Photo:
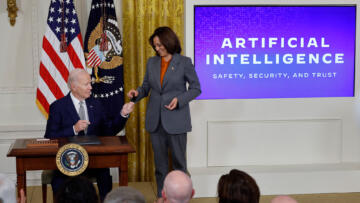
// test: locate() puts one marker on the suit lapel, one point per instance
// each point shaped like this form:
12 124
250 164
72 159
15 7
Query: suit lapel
171 68
157 68
90 109
71 109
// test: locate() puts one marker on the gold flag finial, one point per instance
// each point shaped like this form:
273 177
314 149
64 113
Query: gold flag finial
12 11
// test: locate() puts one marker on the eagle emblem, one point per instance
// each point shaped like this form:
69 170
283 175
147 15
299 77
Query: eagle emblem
72 159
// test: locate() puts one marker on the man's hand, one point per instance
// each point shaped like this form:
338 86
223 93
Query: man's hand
172 104
81 125
132 93
127 109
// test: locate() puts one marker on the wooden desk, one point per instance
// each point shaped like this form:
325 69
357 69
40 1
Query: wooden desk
112 152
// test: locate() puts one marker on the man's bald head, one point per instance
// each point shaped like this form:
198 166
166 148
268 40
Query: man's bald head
283 199
178 187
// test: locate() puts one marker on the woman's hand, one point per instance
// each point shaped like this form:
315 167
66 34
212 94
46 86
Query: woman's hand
172 105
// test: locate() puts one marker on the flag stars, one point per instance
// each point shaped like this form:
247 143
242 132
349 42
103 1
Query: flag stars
52 10
57 29
53 1
60 10
93 6
106 94
97 5
68 1
112 6
66 30
72 30
121 89
67 11
73 21
51 19
66 20
73 11
58 20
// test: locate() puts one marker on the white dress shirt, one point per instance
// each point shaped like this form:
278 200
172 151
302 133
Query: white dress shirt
76 103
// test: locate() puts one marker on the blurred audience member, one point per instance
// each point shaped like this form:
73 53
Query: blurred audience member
7 189
178 188
238 187
124 195
77 189
283 199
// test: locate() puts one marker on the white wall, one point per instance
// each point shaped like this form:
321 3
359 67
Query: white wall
300 145
20 50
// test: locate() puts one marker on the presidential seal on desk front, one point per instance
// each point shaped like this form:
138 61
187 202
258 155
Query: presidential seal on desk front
72 159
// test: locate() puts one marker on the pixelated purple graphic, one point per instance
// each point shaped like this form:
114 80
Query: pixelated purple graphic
336 24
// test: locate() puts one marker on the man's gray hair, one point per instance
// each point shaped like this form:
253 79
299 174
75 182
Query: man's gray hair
124 194
7 190
73 76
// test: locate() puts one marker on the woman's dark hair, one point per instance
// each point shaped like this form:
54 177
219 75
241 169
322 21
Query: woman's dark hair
238 187
167 38
77 189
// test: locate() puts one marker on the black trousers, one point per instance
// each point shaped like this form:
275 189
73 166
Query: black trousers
102 175
162 142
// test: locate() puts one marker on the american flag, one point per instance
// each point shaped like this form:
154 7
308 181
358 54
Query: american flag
55 66
108 63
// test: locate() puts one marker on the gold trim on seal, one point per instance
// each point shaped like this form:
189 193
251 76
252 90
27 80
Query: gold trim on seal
65 149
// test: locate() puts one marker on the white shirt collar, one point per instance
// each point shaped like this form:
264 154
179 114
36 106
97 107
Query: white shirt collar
74 99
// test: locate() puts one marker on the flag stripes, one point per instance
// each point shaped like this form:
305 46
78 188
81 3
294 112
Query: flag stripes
55 66
93 58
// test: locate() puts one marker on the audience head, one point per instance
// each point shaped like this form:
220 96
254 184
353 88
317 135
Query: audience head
167 38
7 190
283 199
178 188
77 189
124 195
238 186
79 83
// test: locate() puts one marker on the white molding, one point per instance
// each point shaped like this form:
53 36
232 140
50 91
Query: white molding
35 43
16 90
35 54
9 133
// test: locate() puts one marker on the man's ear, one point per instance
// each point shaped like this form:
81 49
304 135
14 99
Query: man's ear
192 193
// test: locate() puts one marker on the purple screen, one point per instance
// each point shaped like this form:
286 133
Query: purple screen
275 51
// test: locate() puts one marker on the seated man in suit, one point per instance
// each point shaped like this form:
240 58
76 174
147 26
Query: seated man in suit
79 114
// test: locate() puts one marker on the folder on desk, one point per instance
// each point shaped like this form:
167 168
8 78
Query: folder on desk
85 140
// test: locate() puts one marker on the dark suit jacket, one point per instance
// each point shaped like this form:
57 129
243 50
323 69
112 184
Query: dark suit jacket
180 72
63 116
